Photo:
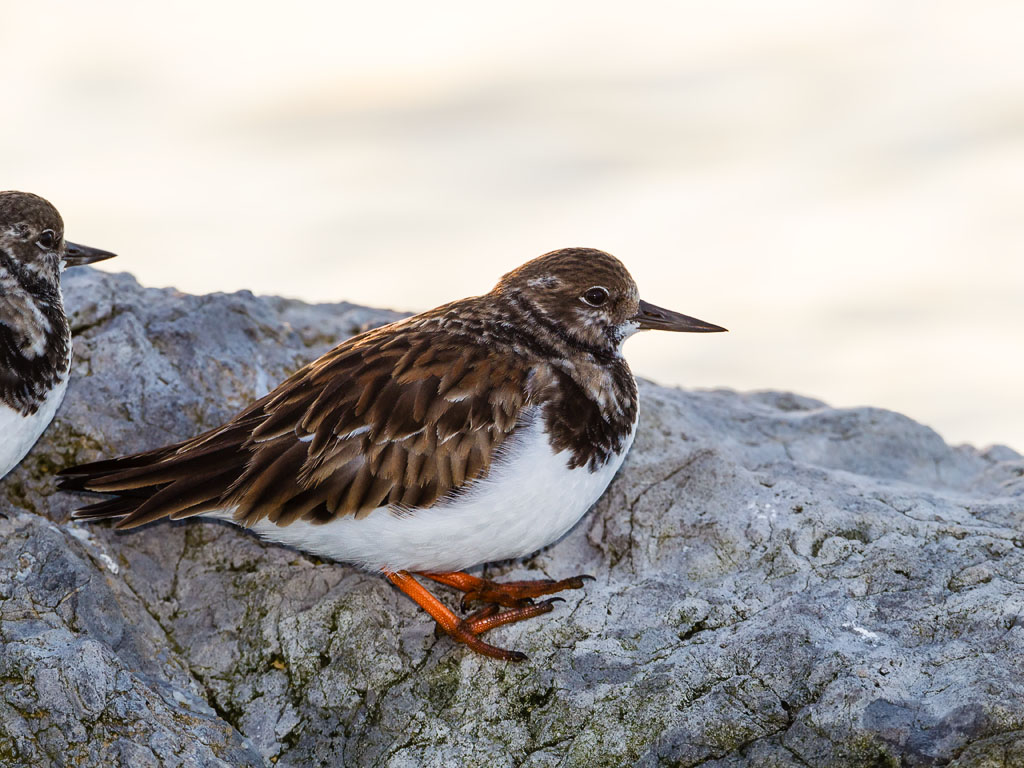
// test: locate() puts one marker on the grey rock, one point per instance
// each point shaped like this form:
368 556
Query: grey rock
778 583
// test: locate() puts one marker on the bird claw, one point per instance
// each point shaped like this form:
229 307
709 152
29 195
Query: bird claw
516 597
518 594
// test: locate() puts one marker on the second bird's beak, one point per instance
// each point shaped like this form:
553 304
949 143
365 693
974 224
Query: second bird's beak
78 255
652 318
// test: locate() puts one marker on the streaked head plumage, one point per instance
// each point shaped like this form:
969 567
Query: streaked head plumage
31 233
588 293
590 296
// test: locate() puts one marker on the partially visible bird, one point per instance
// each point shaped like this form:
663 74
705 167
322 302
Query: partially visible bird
481 430
35 339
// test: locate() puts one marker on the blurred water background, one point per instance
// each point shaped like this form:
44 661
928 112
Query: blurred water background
840 184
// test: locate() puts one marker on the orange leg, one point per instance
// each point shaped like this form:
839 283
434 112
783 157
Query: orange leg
511 594
459 629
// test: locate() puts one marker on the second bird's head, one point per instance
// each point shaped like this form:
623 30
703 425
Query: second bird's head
32 244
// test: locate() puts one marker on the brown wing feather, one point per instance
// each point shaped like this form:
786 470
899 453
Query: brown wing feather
398 416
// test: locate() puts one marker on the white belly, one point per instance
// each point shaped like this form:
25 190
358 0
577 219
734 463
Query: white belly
530 499
18 433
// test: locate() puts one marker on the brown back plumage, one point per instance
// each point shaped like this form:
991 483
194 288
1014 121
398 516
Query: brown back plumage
390 417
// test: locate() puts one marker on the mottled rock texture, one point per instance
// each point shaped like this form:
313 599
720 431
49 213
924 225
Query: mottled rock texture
778 583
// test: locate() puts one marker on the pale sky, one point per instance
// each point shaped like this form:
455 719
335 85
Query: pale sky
840 183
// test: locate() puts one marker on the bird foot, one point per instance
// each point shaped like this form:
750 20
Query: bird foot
510 594
489 616
519 602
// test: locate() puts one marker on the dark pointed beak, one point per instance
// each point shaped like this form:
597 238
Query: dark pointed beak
652 318
78 255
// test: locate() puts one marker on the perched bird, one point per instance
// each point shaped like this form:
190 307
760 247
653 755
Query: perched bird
35 339
481 430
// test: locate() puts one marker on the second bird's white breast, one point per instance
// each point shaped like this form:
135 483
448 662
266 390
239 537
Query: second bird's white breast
18 432
529 499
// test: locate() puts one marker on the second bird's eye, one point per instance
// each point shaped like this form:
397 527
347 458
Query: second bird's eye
595 296
47 239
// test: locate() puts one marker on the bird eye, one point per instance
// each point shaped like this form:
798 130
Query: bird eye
595 296
47 239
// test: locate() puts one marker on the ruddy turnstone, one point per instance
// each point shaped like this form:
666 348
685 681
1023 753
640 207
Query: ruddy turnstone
35 339
478 431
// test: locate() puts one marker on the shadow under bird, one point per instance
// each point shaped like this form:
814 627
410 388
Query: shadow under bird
481 430
35 339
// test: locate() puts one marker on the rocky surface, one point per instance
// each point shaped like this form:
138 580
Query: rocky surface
778 583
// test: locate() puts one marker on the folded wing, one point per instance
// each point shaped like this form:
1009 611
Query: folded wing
395 417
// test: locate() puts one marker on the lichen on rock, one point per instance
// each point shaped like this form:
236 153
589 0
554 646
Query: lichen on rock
777 583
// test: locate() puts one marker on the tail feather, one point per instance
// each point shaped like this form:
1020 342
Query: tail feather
181 498
168 470
176 481
106 509
95 468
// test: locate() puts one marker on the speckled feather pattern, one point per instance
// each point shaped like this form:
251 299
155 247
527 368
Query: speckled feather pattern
35 340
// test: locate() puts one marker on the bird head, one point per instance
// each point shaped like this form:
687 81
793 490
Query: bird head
588 297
